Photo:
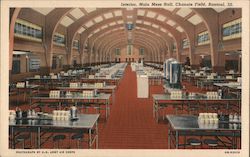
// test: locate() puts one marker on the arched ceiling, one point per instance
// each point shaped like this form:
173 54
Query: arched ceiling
153 28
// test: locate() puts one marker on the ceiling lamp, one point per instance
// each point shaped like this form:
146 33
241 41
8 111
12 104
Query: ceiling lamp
130 26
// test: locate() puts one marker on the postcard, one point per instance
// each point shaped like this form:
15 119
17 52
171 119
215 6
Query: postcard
124 78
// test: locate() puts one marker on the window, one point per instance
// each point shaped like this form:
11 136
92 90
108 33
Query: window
16 67
129 49
174 47
34 63
232 30
185 43
54 64
60 62
74 62
59 39
26 30
76 44
141 52
117 51
203 38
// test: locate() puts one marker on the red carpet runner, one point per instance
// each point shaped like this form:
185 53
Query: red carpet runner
131 124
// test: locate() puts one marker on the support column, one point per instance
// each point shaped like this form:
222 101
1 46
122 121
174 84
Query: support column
219 67
44 69
13 14
239 64
51 22
194 60
170 53
212 24
178 52
68 61
195 64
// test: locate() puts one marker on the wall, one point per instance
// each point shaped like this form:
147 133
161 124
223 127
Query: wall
203 49
229 45
32 16
135 54
85 58
57 49
38 48
27 45
76 56
227 16
224 17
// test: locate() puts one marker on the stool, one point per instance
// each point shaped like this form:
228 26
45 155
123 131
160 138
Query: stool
214 107
53 105
177 108
39 106
162 106
193 108
62 105
78 137
96 106
86 106
211 142
57 139
22 138
79 106
193 142
229 108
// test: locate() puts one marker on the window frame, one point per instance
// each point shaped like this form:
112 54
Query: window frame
27 30
233 28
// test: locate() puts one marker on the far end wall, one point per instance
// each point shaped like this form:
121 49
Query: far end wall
125 57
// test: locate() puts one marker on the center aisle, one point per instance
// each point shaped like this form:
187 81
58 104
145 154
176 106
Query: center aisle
131 124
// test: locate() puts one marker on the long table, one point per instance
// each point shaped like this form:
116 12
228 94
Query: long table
201 82
192 77
230 88
188 125
232 74
49 82
102 96
155 79
87 122
157 98
27 91
109 81
92 87
229 85
154 65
